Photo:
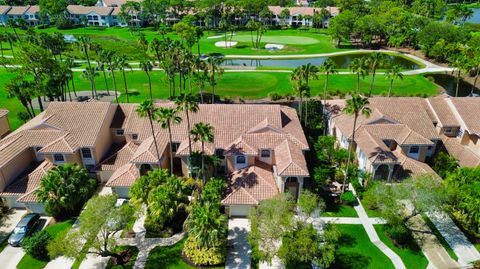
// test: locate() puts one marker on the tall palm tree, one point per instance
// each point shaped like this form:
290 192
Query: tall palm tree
121 63
359 67
328 67
374 61
147 66
23 91
90 73
460 62
109 57
147 109
71 63
198 37
393 74
3 38
11 38
166 117
202 132
85 45
213 68
102 66
309 71
187 103
297 77
355 106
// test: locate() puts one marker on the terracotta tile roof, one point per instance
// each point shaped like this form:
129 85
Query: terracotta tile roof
18 10
124 176
290 160
276 10
26 186
251 185
183 150
374 148
4 9
465 156
146 152
121 113
413 168
118 159
84 10
468 111
442 112
64 144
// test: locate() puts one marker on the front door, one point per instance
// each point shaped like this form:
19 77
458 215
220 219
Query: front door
291 186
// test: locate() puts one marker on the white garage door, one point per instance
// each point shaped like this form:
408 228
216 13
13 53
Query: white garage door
239 210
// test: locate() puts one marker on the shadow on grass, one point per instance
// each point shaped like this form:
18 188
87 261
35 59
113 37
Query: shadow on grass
347 240
165 257
350 260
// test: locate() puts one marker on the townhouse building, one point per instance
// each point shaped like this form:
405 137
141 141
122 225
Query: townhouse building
301 15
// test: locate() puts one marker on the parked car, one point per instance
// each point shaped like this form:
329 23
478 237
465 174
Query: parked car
24 228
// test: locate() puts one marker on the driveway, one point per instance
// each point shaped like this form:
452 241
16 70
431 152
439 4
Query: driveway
238 253
7 225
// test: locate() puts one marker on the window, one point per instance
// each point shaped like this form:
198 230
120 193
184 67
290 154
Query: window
241 159
429 148
120 132
86 153
134 136
265 153
58 158
448 130
414 149
175 146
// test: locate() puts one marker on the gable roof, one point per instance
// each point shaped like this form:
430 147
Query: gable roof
295 11
18 10
290 160
467 109
84 10
465 156
4 9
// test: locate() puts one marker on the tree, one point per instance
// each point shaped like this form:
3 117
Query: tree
166 117
341 26
355 106
100 221
329 157
109 57
374 61
308 203
85 45
127 10
284 15
213 69
393 74
460 62
148 110
121 63
328 67
64 189
359 67
297 77
147 66
36 245
24 91
187 103
102 65
443 164
202 132
141 188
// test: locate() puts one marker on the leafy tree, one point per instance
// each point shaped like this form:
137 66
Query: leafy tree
434 31
284 15
213 191
309 202
341 26
109 58
328 157
141 188
64 189
444 163
99 223
36 245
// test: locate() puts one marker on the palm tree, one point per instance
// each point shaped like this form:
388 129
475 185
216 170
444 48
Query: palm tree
85 45
11 38
374 61
393 74
460 62
109 58
359 66
206 224
166 117
3 38
328 67
147 66
213 68
121 63
149 110
309 71
355 106
198 35
187 103
70 64
22 90
297 77
102 66
90 73
203 132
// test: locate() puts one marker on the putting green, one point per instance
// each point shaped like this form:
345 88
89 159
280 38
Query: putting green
281 39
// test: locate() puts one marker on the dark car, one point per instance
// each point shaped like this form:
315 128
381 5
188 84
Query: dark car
23 229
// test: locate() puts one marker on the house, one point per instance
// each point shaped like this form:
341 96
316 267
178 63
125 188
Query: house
261 148
3 14
17 12
457 122
4 124
32 16
63 133
90 15
300 16
394 141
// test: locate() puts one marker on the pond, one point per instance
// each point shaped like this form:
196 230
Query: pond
449 83
341 61
476 16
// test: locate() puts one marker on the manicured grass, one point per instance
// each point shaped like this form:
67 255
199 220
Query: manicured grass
29 262
339 211
281 39
411 256
356 251
168 258
440 238
372 213
130 262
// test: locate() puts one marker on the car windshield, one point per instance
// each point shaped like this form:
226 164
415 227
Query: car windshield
18 230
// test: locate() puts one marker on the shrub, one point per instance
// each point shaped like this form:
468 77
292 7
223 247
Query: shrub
204 256
36 245
348 198
274 96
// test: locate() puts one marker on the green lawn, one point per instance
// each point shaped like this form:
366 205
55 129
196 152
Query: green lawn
123 41
339 211
356 251
131 261
28 262
168 258
440 238
411 256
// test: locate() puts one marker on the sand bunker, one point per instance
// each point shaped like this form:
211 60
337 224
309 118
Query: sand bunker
274 46
223 44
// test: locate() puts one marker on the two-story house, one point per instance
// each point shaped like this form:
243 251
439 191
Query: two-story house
90 15
301 15
4 14
394 141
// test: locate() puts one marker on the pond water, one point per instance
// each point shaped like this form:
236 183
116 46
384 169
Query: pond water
341 61
476 16
449 83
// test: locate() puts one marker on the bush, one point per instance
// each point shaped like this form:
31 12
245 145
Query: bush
274 96
204 256
348 198
36 245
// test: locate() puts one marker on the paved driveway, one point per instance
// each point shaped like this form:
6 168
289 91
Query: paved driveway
7 225
238 255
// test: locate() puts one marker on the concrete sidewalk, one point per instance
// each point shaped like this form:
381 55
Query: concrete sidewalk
238 252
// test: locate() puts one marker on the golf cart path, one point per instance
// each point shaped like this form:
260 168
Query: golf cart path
465 251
